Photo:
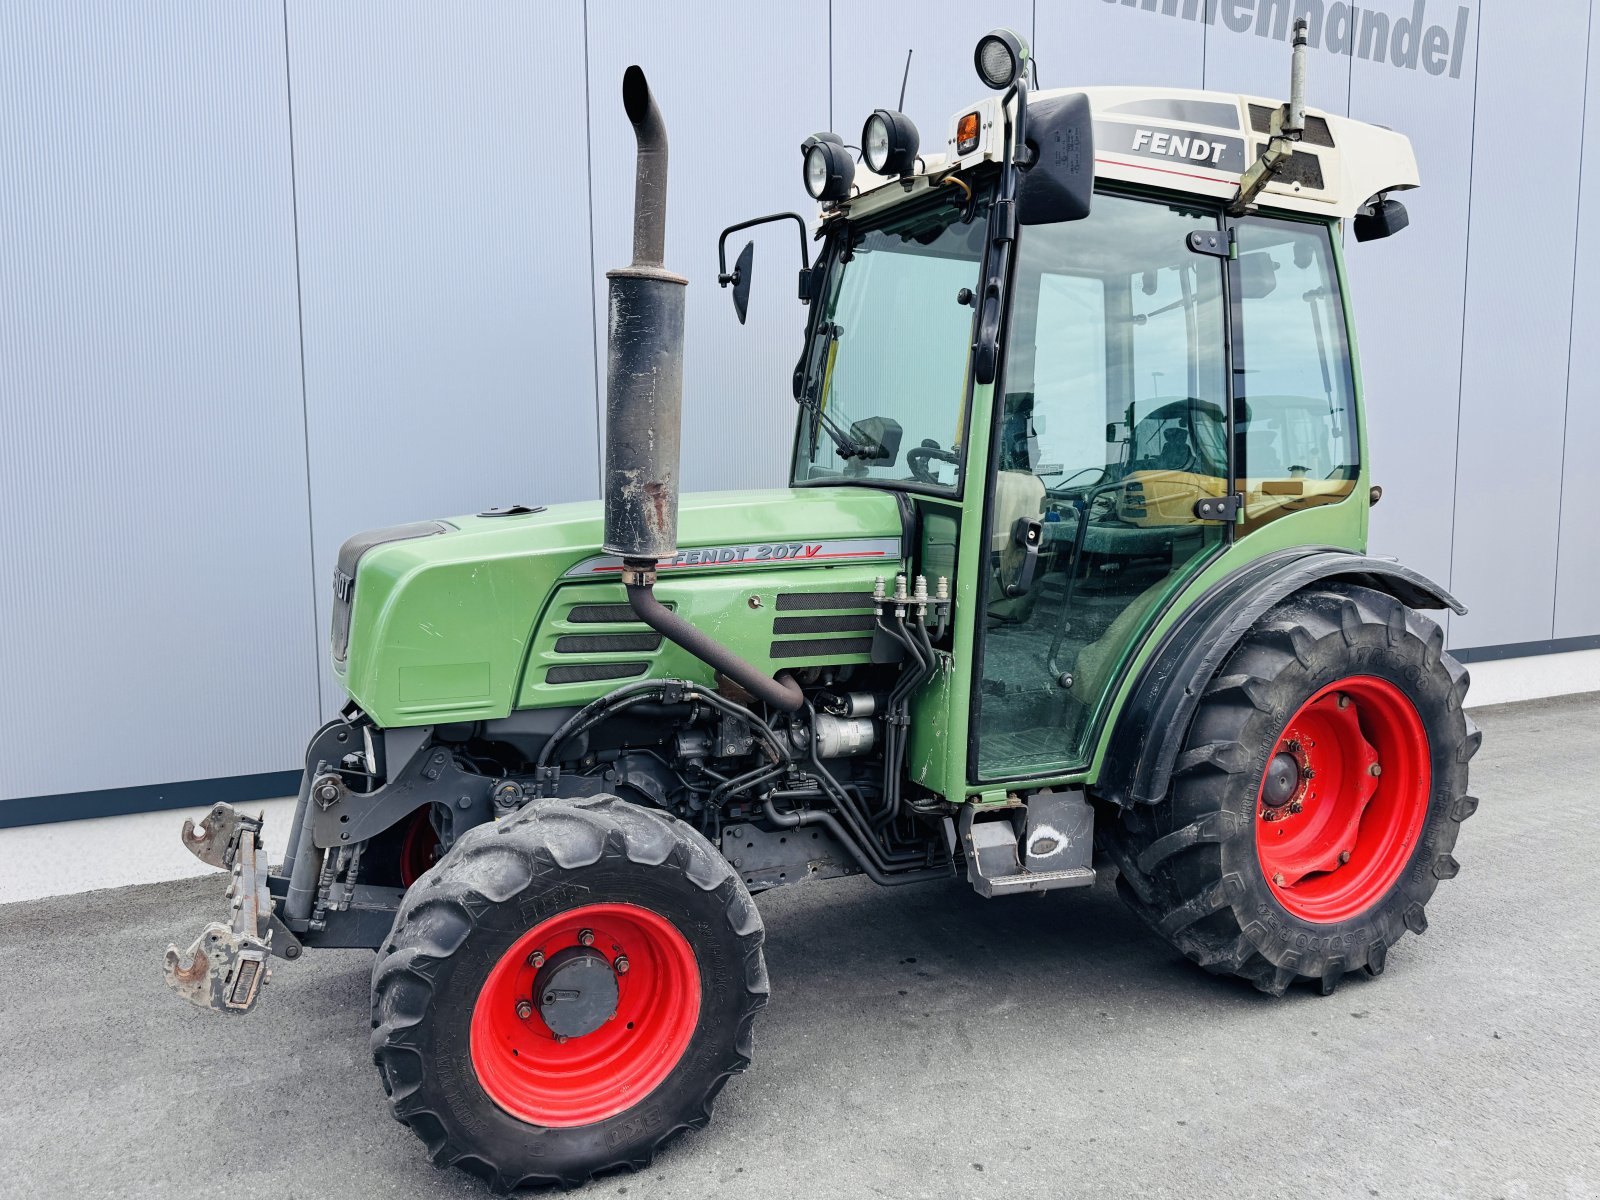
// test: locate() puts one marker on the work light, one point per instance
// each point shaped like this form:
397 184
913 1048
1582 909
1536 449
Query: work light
829 169
1000 57
889 143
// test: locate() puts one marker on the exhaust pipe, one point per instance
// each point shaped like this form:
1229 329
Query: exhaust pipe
644 409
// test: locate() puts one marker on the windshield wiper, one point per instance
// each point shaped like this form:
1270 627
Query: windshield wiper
848 447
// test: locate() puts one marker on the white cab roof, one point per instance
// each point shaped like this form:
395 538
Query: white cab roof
1200 143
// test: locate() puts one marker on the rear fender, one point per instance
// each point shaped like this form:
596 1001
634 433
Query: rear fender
1153 723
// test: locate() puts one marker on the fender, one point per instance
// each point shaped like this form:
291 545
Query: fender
1155 719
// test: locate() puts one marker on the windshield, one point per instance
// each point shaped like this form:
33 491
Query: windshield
883 397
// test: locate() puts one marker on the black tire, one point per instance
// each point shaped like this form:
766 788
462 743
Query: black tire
461 918
1188 866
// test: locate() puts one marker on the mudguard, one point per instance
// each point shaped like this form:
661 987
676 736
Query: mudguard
1154 721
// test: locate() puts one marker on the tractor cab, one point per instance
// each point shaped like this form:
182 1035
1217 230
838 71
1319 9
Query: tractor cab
1099 342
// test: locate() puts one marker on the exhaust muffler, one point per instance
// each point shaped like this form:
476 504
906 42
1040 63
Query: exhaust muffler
644 409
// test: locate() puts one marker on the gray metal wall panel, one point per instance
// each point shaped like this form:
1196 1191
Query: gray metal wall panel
1409 293
1518 320
156 610
1577 610
444 249
1087 43
739 86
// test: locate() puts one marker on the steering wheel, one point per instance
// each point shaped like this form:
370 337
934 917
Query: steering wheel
918 456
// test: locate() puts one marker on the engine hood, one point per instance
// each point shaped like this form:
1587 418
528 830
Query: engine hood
464 619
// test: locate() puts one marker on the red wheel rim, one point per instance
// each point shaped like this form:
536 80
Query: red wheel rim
419 849
536 1076
1343 800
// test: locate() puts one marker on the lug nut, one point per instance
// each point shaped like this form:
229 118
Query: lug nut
621 964
1277 878
524 1009
561 1039
1374 770
586 938
536 959
1344 701
1344 857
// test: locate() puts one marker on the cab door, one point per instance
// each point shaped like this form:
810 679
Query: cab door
1113 423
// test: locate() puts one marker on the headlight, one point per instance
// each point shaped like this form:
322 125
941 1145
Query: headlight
1000 57
889 143
829 169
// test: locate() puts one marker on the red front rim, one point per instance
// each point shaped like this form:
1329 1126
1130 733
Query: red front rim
1343 800
419 849
536 1075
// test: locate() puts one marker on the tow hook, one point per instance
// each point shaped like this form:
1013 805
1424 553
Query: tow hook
227 964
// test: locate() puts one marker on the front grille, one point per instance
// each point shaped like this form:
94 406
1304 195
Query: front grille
344 572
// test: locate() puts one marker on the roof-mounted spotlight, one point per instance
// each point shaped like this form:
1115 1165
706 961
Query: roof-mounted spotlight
889 143
1000 58
829 169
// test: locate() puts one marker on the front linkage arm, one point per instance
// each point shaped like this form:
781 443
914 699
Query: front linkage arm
227 964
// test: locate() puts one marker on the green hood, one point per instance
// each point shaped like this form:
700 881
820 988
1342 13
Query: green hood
469 618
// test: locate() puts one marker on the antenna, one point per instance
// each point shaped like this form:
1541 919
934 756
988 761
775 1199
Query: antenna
901 105
1288 123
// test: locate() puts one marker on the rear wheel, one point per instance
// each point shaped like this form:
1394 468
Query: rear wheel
1317 798
566 991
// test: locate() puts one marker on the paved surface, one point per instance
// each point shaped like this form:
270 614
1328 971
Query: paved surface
920 1042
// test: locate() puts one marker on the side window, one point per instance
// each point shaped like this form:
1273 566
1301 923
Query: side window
1298 441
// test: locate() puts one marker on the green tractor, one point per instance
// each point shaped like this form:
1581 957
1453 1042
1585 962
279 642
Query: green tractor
1070 576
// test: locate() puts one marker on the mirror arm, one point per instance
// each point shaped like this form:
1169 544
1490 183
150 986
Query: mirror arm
724 277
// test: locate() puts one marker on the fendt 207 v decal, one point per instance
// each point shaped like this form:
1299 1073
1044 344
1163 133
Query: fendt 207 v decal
754 554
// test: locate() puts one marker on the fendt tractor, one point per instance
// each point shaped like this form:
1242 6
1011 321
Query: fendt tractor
1070 577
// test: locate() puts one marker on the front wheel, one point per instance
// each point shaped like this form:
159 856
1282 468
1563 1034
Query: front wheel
566 991
1317 799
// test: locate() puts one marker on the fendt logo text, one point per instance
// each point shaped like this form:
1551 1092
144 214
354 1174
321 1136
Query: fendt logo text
1407 41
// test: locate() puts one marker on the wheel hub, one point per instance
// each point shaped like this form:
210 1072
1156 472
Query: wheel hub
1282 780
576 991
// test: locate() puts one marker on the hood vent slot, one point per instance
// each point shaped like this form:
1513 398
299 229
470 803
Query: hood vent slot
591 672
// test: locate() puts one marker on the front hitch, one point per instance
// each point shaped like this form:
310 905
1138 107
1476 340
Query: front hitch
227 964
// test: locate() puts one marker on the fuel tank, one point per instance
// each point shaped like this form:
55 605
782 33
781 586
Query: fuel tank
468 618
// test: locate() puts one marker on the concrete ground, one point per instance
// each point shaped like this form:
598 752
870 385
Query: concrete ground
920 1042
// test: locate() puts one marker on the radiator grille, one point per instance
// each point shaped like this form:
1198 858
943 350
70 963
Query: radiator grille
792 601
821 648
589 672
608 643
607 614
849 623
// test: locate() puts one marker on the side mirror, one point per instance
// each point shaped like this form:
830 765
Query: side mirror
741 280
1380 219
1258 275
739 277
1058 182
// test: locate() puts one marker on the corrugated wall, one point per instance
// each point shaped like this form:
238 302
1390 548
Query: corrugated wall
275 271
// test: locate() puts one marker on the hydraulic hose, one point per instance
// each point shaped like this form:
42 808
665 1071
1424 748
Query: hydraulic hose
827 821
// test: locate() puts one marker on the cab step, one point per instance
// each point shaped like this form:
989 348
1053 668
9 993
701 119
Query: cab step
1036 845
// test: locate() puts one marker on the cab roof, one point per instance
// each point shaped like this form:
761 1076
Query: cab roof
1196 142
